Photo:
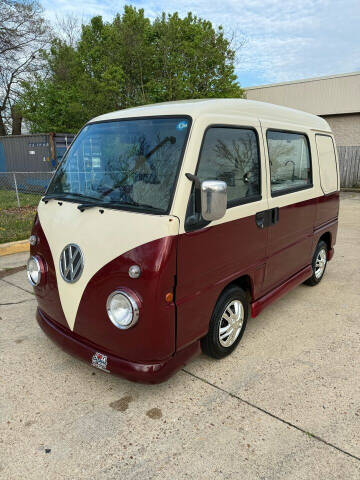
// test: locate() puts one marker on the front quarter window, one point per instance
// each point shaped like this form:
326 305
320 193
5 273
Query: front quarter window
132 164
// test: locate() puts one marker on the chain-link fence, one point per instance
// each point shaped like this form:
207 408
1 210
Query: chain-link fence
22 189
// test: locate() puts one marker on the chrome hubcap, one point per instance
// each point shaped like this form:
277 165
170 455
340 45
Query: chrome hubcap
320 263
231 322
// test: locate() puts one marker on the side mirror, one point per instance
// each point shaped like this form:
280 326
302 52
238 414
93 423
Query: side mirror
213 199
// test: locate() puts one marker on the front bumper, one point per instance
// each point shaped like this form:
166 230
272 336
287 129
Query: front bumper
155 372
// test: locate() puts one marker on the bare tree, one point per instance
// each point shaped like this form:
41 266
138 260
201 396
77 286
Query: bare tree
237 42
68 28
240 153
23 35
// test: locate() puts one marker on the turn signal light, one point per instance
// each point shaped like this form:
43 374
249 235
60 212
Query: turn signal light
169 297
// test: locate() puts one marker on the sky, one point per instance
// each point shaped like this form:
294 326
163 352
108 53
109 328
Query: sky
282 40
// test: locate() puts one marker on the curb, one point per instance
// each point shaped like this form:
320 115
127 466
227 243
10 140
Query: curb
14 247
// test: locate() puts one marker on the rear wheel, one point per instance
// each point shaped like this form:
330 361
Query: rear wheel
227 323
318 264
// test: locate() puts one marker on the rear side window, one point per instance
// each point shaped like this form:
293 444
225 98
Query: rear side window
290 163
232 155
327 162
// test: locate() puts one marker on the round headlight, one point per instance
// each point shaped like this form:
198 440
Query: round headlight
34 270
122 309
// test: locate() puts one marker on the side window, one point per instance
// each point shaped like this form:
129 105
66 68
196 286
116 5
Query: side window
232 155
327 162
290 163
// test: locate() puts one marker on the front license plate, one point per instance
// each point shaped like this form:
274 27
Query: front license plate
99 360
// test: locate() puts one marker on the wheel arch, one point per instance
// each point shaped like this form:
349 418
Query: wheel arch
327 238
245 282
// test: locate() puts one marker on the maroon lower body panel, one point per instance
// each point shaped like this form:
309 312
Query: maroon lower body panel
155 372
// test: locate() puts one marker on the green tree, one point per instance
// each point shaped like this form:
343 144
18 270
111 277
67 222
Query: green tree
193 60
127 62
79 84
133 42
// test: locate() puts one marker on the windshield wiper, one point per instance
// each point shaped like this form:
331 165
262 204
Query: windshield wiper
119 205
53 196
65 196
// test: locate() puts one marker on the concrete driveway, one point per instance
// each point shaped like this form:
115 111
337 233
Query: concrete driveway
286 404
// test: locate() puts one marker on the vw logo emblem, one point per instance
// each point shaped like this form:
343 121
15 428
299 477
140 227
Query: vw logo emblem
71 263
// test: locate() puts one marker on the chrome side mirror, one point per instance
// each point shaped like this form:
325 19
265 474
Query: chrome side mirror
213 199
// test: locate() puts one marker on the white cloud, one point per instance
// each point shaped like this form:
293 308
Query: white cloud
285 40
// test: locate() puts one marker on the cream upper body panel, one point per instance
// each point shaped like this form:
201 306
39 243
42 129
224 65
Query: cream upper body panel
202 122
101 237
231 112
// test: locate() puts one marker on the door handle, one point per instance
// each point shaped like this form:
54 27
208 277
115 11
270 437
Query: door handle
260 219
267 217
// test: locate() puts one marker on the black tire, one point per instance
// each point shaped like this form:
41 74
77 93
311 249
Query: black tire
211 344
316 278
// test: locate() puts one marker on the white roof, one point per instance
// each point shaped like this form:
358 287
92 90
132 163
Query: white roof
229 106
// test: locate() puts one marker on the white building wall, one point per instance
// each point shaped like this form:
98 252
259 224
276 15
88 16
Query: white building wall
346 128
335 94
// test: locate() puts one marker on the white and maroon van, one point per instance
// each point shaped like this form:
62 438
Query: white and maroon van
166 226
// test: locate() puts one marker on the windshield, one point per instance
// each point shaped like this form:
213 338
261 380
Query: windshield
124 163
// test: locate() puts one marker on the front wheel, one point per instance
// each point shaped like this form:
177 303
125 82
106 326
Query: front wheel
227 323
318 264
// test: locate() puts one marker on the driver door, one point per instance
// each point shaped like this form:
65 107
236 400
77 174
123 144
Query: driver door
212 254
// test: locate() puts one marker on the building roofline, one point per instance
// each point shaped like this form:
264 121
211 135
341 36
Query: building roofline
304 80
352 112
22 135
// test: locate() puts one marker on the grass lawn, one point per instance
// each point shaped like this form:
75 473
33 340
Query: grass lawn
8 199
16 223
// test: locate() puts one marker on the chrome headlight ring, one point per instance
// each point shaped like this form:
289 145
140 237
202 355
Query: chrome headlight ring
123 309
35 269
